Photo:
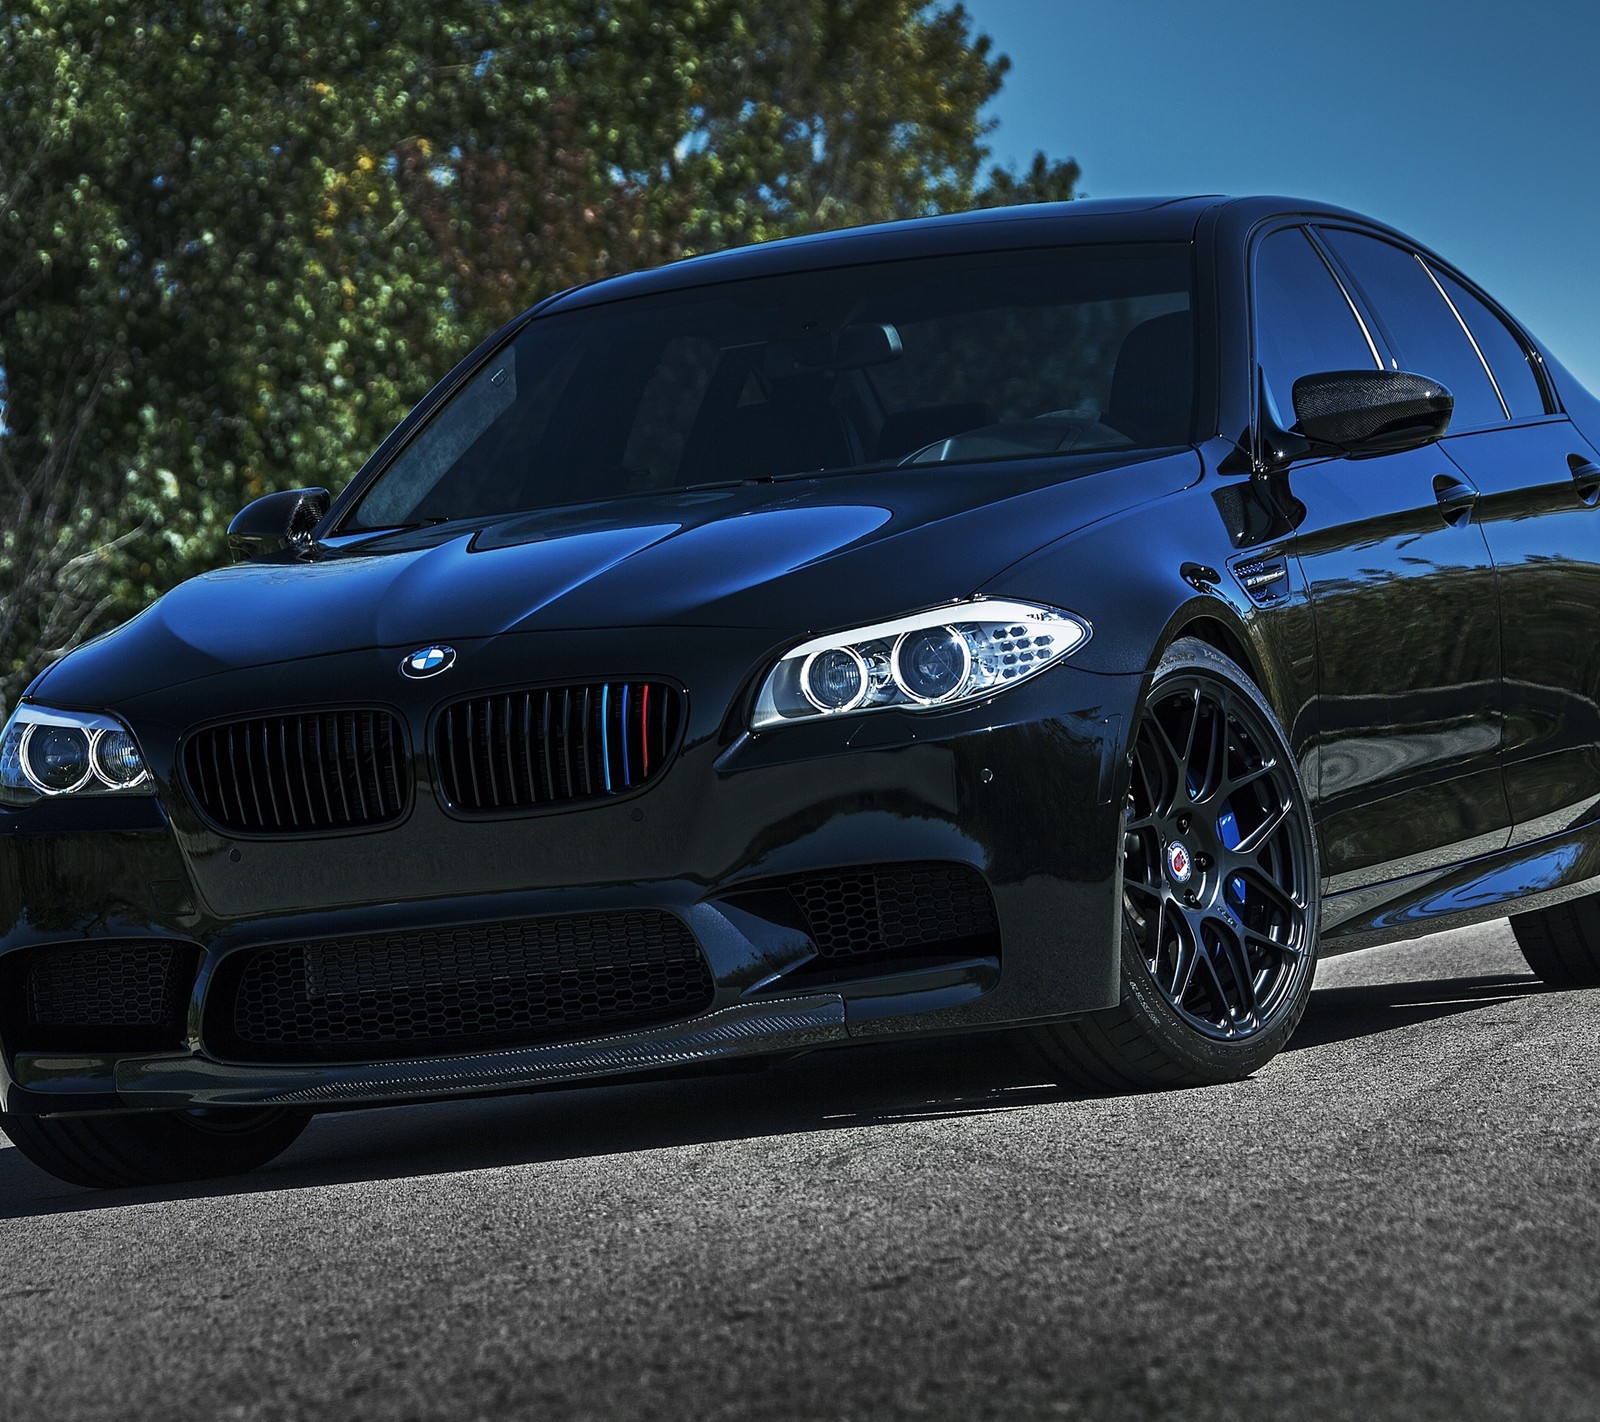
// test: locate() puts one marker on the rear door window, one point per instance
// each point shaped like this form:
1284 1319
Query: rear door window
1424 334
1501 347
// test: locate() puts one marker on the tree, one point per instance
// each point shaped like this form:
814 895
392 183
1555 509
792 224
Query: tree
824 113
196 272
1045 181
238 240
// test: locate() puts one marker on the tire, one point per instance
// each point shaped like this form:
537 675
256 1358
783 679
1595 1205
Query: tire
1562 944
154 1147
1221 892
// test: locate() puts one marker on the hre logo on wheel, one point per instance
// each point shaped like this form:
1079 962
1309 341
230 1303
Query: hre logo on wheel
1179 865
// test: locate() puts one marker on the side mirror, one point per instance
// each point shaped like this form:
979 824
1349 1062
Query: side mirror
1371 411
277 523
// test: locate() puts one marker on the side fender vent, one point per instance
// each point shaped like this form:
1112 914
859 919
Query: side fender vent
1265 580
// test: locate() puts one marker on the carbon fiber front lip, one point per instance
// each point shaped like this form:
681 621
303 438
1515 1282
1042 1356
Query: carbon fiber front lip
745 1029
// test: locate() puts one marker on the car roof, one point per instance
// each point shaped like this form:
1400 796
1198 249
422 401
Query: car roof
1086 220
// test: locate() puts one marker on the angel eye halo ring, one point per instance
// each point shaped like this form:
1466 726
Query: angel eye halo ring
931 664
49 754
925 661
835 679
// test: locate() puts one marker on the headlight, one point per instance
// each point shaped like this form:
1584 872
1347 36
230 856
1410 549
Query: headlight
941 657
45 754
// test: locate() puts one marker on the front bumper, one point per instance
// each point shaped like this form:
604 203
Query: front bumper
187 1080
1024 789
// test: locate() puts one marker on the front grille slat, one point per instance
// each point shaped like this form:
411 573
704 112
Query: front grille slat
485 746
313 729
436 991
380 760
350 761
521 750
567 791
528 747
545 742
623 779
500 750
299 772
209 776
394 763
287 760
509 746
333 752
452 733
241 781
472 751
627 759
268 772
366 764
644 730
332 791
342 765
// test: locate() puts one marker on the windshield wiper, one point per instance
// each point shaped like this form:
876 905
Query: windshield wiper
429 522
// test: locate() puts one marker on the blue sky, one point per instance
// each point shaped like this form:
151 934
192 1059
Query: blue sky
1475 127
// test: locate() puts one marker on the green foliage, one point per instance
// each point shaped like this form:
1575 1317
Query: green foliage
1043 182
238 240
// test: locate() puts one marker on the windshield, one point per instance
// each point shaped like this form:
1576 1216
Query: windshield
933 360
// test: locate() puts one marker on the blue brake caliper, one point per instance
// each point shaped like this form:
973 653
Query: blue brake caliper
1228 833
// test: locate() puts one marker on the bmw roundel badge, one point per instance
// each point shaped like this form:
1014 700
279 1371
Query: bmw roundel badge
428 661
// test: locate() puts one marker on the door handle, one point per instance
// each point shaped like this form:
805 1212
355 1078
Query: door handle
1586 475
1456 498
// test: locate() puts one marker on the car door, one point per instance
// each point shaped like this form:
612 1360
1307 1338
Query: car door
1539 508
1407 712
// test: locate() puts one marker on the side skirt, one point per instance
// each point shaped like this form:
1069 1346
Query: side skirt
1530 876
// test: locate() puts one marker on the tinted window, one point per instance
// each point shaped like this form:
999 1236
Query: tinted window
937 360
1427 338
1304 324
1519 386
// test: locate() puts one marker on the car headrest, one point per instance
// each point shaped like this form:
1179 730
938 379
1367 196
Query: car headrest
1152 387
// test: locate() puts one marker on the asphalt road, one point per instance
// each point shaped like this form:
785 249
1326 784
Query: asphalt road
1399 1218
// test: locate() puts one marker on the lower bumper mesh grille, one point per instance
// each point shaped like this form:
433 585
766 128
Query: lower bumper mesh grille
441 991
893 908
109 995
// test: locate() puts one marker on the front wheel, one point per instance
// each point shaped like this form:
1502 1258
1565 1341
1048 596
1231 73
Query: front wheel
1220 891
153 1147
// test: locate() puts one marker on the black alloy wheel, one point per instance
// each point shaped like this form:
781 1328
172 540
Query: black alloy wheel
1216 859
1220 889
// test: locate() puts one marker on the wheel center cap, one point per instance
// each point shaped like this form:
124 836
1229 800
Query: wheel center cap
1180 863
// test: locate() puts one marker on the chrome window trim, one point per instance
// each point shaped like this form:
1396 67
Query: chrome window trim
1344 291
1466 330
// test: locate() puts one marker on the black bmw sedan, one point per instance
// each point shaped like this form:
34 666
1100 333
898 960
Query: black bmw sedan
1072 618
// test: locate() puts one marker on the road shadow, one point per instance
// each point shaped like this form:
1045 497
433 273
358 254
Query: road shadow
1342 1014
876 1084
868 1085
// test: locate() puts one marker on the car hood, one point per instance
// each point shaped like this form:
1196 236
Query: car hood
793 557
